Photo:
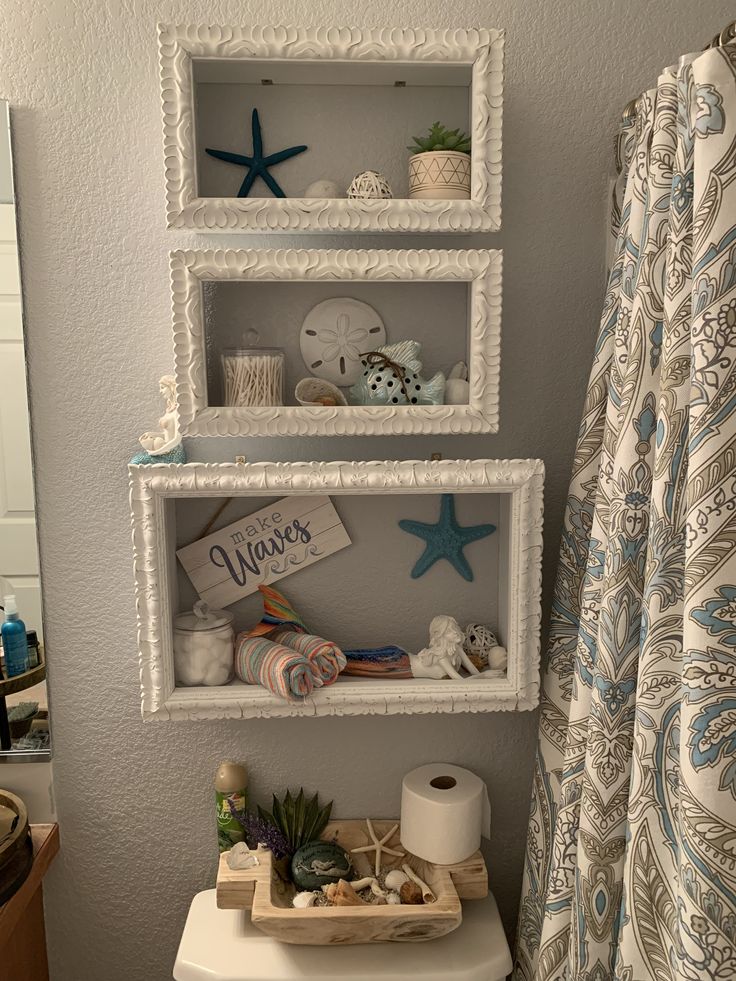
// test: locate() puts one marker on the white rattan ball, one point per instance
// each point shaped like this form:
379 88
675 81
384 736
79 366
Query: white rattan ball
369 184
478 641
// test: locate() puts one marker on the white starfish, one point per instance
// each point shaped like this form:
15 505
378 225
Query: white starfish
379 846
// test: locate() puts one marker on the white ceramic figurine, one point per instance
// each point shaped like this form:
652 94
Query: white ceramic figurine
444 655
163 445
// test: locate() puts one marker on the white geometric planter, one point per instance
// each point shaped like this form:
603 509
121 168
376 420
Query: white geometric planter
518 482
480 269
393 56
439 174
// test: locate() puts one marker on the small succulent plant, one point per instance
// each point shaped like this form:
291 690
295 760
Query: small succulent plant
440 138
299 820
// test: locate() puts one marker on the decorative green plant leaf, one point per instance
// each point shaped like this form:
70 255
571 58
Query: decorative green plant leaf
299 819
440 138
319 823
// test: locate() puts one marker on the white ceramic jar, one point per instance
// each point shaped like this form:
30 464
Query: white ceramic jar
203 646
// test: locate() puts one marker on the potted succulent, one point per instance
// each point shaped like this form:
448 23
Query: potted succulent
440 164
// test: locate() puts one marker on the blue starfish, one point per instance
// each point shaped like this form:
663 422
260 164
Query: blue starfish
258 164
445 540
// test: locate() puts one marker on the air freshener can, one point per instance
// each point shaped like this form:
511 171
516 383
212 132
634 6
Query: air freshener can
231 794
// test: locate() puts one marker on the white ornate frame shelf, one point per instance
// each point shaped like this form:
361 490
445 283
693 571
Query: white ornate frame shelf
481 51
152 487
481 269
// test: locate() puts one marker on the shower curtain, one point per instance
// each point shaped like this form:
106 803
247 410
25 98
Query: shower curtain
630 870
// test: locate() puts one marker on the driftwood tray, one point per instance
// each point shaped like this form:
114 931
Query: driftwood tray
268 897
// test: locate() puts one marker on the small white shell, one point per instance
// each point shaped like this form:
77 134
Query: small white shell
303 900
312 391
497 658
396 879
393 899
324 188
241 857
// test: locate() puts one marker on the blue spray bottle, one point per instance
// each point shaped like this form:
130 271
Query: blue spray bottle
15 644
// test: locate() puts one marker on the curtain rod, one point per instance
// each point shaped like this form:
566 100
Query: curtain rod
726 36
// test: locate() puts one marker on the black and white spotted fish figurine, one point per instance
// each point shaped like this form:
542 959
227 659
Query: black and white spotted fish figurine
391 376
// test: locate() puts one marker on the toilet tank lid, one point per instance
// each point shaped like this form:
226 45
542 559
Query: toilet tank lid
223 945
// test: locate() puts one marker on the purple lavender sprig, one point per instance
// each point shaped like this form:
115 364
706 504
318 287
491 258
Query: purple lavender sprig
257 832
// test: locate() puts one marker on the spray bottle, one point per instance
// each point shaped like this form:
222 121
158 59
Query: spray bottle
231 789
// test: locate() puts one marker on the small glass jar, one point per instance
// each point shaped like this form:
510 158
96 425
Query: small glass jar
253 376
203 646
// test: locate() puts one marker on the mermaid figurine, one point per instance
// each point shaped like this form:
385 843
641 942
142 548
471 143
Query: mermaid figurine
163 445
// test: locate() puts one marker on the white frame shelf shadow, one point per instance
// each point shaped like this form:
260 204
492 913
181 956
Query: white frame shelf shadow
481 269
153 487
267 48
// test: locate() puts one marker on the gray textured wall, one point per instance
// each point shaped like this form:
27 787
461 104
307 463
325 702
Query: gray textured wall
134 799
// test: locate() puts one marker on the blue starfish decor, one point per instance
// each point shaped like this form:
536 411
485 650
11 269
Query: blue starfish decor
445 540
257 164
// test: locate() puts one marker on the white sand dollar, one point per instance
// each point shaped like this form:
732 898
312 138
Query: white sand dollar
334 335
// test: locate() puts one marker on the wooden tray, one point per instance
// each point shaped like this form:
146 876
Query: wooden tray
268 897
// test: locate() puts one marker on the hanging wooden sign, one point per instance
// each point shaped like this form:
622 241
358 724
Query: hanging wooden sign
262 548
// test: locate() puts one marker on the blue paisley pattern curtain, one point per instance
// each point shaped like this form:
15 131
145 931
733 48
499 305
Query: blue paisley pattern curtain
631 856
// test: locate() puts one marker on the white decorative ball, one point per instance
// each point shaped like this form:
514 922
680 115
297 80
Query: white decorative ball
369 184
324 189
478 641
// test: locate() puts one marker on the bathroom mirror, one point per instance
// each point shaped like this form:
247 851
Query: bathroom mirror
24 725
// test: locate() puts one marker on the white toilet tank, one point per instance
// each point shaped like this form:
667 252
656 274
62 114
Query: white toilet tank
223 945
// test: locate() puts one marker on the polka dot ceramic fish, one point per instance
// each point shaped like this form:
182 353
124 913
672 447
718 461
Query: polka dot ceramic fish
391 376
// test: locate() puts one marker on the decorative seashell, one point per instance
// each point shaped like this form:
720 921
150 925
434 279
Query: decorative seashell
324 188
369 184
317 391
333 336
427 894
342 894
457 389
393 899
303 900
498 658
411 894
396 879
390 376
241 857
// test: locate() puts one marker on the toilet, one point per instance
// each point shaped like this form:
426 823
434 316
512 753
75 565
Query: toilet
223 945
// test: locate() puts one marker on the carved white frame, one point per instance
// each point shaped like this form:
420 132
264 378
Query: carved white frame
155 576
480 268
481 49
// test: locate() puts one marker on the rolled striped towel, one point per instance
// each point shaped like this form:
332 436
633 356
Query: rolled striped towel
326 659
282 670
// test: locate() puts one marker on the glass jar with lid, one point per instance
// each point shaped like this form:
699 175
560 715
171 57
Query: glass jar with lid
203 646
253 375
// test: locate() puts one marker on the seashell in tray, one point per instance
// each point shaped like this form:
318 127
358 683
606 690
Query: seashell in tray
317 391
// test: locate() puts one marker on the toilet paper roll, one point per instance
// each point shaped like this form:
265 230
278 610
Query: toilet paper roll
444 812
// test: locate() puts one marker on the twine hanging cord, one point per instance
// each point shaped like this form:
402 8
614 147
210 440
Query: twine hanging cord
377 360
